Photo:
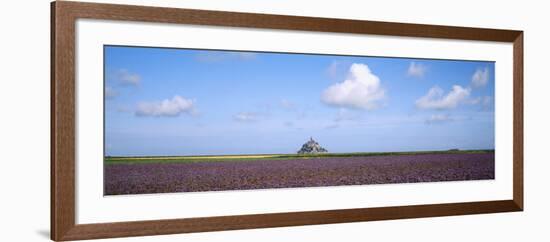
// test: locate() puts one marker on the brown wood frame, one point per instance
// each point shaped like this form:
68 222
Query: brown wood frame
63 17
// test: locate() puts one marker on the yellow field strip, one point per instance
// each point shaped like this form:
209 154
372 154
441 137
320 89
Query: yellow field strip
195 157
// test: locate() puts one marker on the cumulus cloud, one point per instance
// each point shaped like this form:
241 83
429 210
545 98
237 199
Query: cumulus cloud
438 118
166 108
361 90
416 70
480 77
125 77
436 98
110 92
246 117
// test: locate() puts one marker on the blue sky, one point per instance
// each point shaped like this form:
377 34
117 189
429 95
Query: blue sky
162 101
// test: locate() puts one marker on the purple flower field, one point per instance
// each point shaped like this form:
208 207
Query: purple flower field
143 178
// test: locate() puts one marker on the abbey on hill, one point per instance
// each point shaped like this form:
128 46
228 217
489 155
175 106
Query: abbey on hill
312 147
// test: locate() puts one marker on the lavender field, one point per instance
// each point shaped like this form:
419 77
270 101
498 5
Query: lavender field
219 174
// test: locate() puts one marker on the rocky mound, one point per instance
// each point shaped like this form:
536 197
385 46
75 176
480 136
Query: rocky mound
311 147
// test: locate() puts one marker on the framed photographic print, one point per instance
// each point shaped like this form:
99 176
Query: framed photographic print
172 120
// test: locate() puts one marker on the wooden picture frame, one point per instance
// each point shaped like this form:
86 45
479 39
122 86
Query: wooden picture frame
63 17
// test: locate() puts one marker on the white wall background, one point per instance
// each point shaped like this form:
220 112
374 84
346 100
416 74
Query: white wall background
24 122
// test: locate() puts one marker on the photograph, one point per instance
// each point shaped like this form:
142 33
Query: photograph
186 120
199 120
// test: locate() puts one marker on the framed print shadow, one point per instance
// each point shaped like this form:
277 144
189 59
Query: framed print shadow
170 120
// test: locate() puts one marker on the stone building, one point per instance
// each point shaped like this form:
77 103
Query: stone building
311 147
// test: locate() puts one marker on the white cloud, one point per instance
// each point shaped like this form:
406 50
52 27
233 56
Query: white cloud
361 90
166 108
416 70
110 92
246 117
438 118
435 98
480 77
125 77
